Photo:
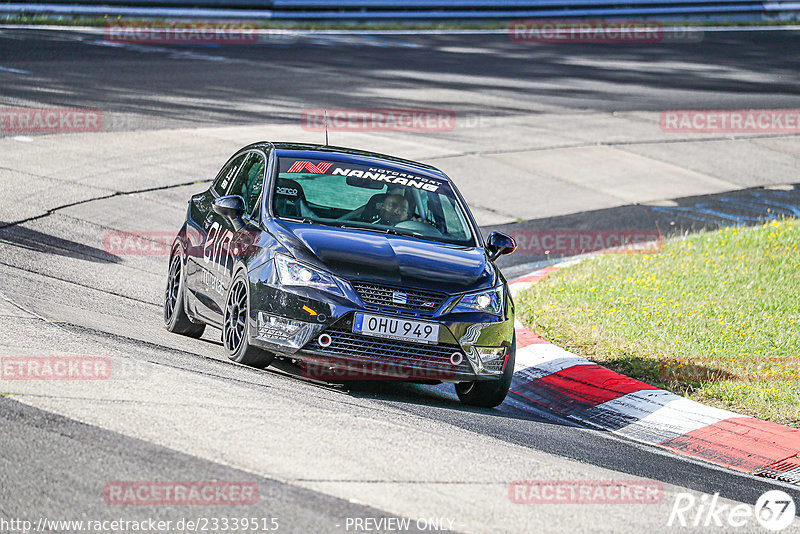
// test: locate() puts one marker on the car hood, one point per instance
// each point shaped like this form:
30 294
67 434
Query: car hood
390 259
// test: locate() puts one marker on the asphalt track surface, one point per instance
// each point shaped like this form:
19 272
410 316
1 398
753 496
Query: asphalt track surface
177 410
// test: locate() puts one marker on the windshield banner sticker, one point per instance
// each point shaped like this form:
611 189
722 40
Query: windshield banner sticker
377 174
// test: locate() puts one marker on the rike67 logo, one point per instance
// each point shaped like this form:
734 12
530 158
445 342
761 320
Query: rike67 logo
774 511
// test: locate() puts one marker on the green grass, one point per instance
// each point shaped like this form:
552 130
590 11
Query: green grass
713 316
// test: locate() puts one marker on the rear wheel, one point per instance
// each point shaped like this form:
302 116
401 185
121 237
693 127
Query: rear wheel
236 326
489 393
175 318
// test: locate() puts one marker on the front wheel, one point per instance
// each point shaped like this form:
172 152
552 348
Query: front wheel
175 318
489 393
236 326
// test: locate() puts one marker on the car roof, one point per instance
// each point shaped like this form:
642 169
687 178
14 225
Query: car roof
350 155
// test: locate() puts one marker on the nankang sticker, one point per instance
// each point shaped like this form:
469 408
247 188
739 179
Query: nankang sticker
389 177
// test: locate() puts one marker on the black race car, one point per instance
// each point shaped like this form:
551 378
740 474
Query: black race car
353 264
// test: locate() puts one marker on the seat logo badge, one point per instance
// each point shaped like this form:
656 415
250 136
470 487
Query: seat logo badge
399 298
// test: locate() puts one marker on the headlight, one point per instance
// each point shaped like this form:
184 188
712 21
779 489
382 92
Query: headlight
293 273
488 301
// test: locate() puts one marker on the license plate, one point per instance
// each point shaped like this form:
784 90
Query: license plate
396 328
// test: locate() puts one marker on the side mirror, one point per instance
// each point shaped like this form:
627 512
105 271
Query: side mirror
230 207
498 244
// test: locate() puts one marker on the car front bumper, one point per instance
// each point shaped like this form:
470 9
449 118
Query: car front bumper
289 321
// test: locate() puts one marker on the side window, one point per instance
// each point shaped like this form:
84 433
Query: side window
454 219
249 181
225 177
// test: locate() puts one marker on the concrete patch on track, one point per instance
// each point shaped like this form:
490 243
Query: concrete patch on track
597 397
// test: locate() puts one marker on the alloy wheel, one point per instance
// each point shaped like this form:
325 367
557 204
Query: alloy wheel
236 317
173 286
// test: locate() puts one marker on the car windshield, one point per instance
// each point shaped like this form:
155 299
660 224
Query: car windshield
371 198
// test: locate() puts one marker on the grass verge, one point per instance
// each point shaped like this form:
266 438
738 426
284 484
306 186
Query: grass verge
713 316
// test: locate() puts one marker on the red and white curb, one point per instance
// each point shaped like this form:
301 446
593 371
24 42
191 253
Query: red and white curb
582 391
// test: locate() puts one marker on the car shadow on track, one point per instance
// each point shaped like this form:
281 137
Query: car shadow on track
22 237
416 397
401 393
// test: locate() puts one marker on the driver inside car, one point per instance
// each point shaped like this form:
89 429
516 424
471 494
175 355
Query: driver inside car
393 210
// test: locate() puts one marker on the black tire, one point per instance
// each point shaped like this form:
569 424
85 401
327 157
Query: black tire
236 326
489 393
175 318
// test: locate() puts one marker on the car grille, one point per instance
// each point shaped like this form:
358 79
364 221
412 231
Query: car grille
425 302
369 349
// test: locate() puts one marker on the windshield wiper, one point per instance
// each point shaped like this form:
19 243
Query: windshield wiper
414 235
359 227
423 237
304 220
